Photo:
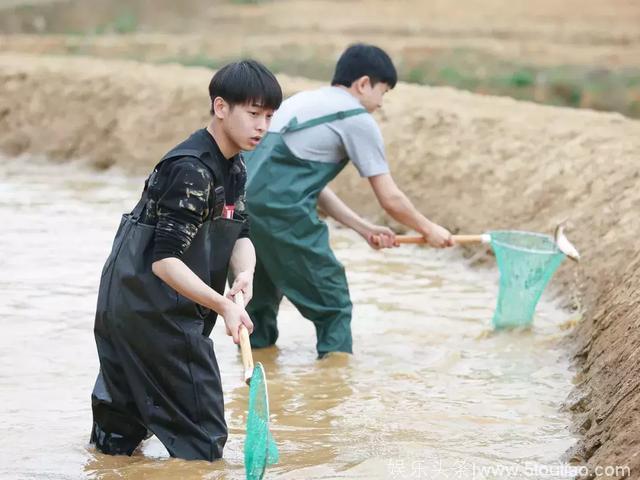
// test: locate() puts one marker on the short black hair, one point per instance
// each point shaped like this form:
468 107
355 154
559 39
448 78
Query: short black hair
246 81
361 59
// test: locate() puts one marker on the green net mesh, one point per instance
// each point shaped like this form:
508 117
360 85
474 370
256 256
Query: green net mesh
526 261
260 449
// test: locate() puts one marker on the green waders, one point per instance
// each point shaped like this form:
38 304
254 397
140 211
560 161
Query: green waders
292 243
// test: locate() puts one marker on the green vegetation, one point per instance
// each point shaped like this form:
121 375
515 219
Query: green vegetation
568 85
297 64
200 60
125 22
571 86
577 86
581 86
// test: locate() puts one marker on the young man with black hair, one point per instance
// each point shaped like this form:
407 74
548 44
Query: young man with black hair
163 284
312 137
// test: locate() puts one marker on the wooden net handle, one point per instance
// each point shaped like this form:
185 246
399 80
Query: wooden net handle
245 344
458 239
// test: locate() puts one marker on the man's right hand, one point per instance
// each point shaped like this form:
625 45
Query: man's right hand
378 236
235 315
437 236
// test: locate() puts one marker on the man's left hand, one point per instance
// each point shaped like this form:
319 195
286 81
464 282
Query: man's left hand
244 283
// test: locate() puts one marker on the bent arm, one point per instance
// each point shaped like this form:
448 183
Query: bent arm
400 208
333 206
243 257
181 278
396 204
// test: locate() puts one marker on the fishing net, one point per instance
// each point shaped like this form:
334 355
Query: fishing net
260 449
526 261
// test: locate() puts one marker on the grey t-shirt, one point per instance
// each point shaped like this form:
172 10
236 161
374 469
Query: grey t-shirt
357 138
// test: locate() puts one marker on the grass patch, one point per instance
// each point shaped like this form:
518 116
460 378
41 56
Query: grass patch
125 22
308 66
522 78
569 85
199 60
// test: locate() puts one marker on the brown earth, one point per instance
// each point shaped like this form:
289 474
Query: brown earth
472 163
604 34
580 53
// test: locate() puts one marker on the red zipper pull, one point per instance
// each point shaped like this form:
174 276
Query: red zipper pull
228 211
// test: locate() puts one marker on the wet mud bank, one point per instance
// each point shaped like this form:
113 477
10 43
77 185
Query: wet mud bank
473 163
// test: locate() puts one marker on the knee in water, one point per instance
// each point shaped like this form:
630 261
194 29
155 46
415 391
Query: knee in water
112 443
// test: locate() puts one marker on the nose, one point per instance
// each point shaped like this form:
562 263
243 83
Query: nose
263 124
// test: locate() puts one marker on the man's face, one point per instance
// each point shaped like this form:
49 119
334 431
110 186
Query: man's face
247 124
371 96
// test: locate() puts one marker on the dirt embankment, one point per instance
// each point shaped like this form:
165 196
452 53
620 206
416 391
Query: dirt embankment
471 163
578 53
543 32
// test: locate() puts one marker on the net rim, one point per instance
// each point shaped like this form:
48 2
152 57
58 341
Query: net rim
259 368
525 249
258 365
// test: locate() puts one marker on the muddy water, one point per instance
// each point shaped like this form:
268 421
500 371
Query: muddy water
430 393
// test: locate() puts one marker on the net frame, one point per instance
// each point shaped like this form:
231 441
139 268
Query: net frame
526 261
260 450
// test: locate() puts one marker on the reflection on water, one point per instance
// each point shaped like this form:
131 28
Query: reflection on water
431 392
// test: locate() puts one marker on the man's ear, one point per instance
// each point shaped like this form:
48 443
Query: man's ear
220 108
362 83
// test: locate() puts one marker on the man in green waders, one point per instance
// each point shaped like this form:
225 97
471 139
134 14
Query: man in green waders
162 286
312 137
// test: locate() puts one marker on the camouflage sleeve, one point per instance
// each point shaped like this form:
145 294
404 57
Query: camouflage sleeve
181 208
241 201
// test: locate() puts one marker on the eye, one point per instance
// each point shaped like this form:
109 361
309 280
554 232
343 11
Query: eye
253 113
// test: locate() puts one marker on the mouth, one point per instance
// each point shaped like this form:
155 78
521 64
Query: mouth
255 140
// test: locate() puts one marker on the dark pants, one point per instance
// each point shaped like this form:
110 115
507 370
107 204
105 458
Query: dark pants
171 388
